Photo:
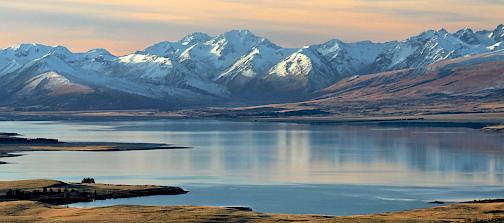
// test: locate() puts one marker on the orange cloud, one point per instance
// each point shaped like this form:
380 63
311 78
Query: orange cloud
128 25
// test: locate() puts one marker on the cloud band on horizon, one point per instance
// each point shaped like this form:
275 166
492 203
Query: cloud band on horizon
123 26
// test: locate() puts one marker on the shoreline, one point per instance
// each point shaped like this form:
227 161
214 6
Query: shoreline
11 143
494 129
473 120
8 151
40 212
139 115
60 193
42 199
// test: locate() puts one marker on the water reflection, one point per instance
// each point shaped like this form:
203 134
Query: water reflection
267 153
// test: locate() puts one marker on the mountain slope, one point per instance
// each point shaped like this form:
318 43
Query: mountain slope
303 71
236 67
175 49
254 65
433 46
476 76
473 84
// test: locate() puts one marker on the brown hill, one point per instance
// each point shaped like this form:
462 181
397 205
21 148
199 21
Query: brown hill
473 84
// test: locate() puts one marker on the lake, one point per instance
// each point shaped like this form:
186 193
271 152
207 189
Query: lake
275 167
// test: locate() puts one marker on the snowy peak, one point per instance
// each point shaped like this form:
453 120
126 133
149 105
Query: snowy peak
28 52
197 37
45 64
240 36
26 49
13 58
238 57
298 64
301 73
307 66
433 46
165 49
215 56
98 53
348 58
498 33
234 43
468 36
53 84
175 49
253 65
142 58
233 66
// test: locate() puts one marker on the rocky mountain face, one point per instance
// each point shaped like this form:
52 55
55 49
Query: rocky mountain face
471 84
236 67
478 76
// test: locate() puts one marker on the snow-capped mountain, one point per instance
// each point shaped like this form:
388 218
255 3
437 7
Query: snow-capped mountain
253 65
175 49
471 84
145 76
479 77
432 46
236 66
303 71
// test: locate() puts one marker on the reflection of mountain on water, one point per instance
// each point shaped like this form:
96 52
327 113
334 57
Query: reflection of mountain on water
433 152
272 153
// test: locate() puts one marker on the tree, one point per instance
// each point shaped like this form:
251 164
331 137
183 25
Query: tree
18 194
9 193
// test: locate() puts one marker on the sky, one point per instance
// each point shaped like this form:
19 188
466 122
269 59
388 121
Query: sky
125 26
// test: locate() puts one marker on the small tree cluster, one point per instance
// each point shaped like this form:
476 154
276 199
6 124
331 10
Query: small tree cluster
88 181
51 191
18 194
21 195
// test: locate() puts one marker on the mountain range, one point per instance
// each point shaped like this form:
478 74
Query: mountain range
240 68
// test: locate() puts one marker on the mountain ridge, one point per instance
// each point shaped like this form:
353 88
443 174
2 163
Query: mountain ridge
236 67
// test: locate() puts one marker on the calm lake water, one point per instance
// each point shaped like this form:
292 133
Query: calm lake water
276 167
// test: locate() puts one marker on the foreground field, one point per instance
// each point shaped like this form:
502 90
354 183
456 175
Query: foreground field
29 211
37 207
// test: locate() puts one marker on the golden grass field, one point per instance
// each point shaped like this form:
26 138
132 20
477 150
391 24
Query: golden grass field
39 184
29 211
58 193
32 211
